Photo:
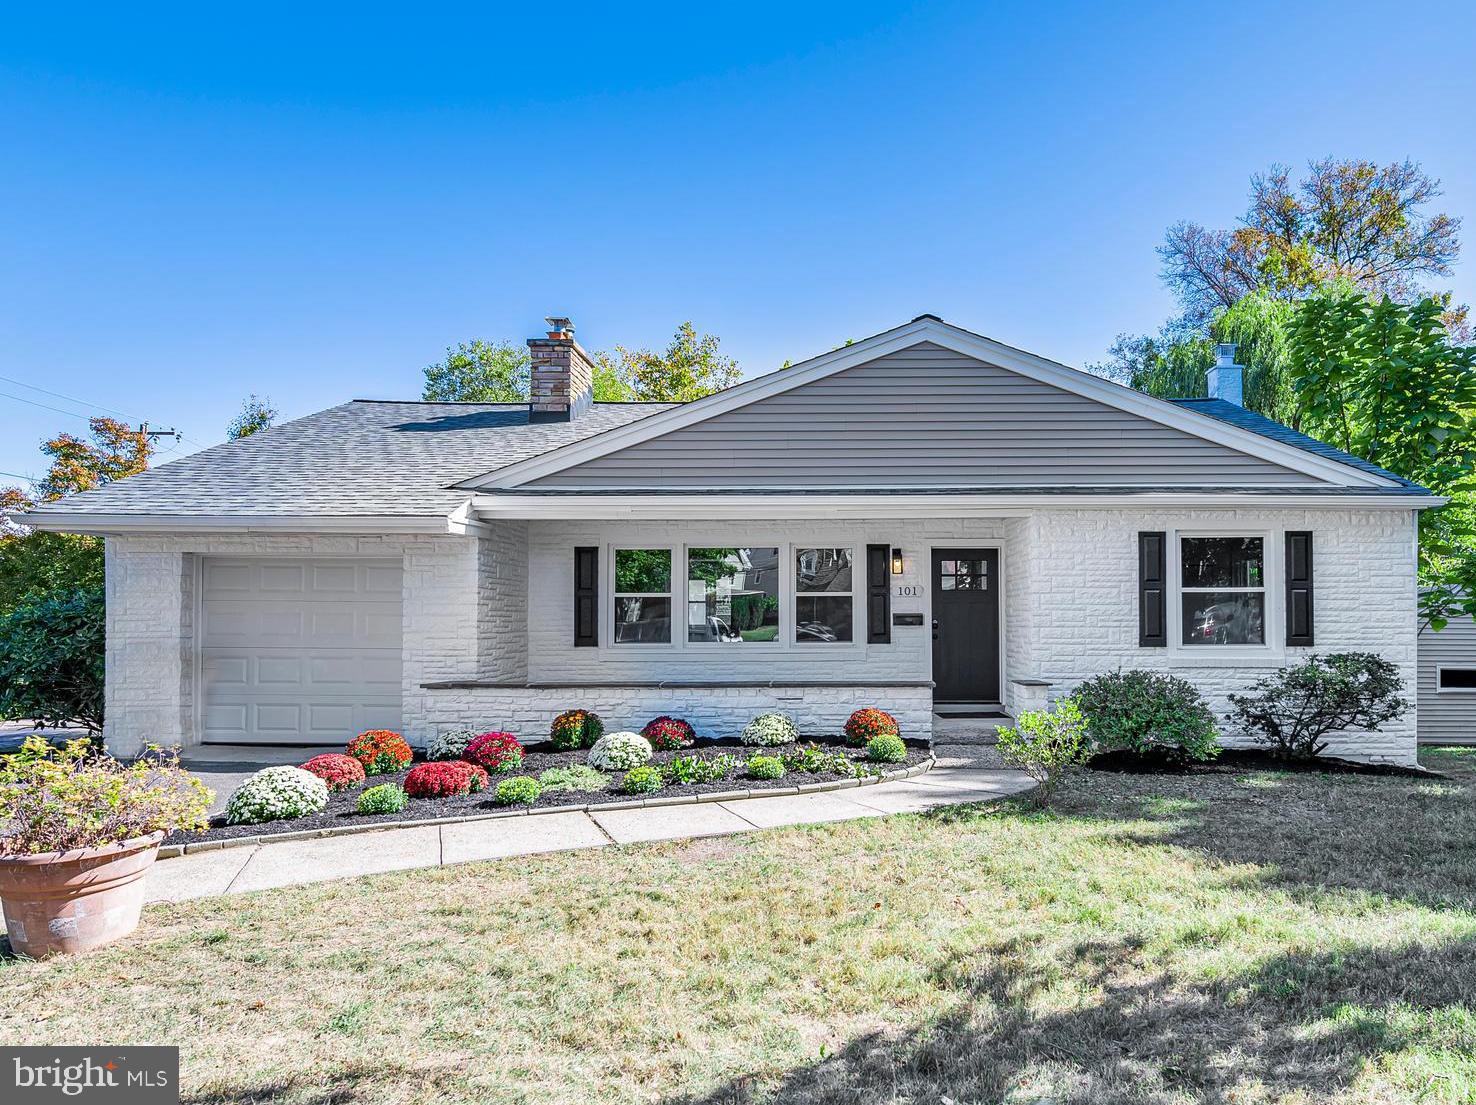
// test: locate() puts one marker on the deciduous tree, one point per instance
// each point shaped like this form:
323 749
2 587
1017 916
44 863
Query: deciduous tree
1385 382
1346 219
256 414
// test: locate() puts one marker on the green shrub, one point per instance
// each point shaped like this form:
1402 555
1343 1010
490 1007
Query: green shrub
520 790
642 780
1295 709
58 799
886 749
697 769
51 660
815 760
1150 713
575 777
765 767
384 798
1045 743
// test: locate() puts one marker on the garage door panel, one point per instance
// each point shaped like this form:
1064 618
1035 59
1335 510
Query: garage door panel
307 666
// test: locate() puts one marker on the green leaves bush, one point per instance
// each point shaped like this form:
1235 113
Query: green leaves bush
1294 710
51 659
765 767
384 798
520 790
1149 713
642 780
886 749
1045 743
575 777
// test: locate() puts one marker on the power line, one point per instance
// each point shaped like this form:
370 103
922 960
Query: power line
72 399
43 406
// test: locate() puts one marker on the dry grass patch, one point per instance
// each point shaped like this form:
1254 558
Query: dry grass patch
1269 937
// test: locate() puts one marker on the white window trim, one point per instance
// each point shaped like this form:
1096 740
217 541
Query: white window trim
1272 649
669 594
777 643
1440 668
680 648
858 564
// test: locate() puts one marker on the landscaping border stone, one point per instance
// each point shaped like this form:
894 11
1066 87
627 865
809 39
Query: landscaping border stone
172 850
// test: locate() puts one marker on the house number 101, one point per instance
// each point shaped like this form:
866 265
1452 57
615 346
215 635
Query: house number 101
909 590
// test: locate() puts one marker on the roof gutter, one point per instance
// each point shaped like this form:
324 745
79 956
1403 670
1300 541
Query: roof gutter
459 522
754 507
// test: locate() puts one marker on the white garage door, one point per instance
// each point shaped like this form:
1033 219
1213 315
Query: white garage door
298 651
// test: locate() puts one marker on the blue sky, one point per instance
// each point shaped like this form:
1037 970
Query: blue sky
307 203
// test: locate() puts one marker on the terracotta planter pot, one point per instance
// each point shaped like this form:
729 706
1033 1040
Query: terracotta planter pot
72 901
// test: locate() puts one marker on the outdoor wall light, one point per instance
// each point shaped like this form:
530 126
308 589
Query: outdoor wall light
896 562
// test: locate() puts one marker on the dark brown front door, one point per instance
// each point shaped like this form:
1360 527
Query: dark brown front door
966 625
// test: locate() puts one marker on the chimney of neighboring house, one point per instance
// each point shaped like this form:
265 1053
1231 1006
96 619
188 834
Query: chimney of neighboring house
1226 380
562 386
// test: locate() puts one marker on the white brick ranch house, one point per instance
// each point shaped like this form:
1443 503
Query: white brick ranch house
921 519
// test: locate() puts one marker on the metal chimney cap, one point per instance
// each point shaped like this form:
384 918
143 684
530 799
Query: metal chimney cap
559 325
1225 353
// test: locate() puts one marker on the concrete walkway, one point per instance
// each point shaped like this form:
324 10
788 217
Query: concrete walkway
961 775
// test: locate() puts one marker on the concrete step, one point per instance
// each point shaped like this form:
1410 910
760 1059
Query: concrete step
967 730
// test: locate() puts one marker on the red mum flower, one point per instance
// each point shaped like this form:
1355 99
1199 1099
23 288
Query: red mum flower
381 751
340 772
496 752
444 778
667 734
868 723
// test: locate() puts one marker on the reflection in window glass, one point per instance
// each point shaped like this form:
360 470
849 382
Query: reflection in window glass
963 575
642 596
824 600
1224 618
733 595
1222 562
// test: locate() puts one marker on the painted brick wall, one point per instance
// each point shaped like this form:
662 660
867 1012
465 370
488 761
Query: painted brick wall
502 602
500 607
150 648
721 711
1083 616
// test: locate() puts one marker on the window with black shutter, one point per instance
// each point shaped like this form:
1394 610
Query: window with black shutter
1152 590
586 596
1299 588
878 595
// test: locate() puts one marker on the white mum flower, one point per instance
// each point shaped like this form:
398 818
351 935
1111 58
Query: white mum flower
619 752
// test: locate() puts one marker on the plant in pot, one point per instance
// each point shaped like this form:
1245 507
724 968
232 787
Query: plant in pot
78 831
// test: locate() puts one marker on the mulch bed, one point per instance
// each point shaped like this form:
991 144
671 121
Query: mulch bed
538 758
1235 761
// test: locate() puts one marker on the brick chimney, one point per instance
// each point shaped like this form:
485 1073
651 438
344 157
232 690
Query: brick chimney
1226 379
563 375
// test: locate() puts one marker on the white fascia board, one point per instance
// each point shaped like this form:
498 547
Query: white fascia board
960 341
104 524
493 507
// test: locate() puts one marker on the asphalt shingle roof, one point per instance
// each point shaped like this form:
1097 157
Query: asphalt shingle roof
1236 415
365 457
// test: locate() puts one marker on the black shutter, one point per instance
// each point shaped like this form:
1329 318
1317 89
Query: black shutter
586 596
878 595
1152 590
1299 587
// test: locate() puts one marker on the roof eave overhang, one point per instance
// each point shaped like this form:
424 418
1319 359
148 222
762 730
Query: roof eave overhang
460 522
950 337
764 506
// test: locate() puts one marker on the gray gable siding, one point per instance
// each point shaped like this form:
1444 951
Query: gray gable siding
924 417
1447 717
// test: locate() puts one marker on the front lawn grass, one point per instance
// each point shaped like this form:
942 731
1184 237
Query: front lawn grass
1262 937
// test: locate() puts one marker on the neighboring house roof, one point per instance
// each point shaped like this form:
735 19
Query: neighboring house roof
1236 415
365 457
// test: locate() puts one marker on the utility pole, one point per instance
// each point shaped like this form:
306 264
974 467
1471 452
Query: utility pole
155 435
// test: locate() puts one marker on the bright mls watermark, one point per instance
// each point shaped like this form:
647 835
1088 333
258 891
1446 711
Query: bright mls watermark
115 1075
